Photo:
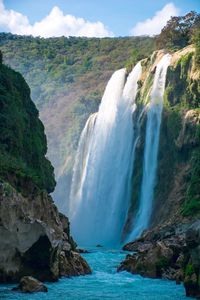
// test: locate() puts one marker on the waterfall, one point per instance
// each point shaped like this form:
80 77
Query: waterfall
81 165
154 116
101 185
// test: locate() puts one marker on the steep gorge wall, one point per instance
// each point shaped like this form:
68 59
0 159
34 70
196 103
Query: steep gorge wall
176 195
34 237
23 143
178 183
169 249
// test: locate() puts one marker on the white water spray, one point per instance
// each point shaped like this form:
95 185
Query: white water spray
154 116
101 186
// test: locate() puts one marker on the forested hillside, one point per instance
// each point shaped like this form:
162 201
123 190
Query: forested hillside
136 178
52 65
67 77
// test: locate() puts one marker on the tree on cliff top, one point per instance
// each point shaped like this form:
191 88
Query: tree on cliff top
196 39
1 57
177 32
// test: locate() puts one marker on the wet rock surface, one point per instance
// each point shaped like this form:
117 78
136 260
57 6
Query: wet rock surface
29 284
35 239
192 268
80 250
172 252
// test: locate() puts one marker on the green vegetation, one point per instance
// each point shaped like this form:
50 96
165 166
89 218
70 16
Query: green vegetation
181 89
196 40
7 189
67 77
189 270
51 66
178 32
136 55
183 93
179 148
174 123
192 203
22 140
1 58
162 263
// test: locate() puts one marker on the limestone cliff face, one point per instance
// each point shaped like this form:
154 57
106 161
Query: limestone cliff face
177 190
178 180
34 237
170 248
176 195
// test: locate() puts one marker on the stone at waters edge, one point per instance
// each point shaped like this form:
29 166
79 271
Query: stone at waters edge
168 253
29 284
80 250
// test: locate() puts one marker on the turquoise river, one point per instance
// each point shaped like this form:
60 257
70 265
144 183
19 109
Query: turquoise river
104 283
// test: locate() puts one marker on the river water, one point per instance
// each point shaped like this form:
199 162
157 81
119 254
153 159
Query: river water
104 283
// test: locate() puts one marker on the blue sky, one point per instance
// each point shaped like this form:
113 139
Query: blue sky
117 17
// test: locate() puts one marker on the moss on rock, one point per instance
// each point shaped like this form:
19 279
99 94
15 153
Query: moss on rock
23 143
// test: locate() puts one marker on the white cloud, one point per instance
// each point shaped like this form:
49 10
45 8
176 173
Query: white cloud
154 25
54 24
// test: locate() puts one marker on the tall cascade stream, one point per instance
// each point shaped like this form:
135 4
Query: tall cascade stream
154 115
102 177
101 185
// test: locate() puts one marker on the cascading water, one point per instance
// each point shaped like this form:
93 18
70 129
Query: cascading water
81 165
154 115
101 185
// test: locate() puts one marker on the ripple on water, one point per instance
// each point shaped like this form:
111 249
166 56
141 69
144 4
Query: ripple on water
104 283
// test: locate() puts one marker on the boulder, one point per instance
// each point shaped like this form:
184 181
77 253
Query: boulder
80 250
29 284
138 246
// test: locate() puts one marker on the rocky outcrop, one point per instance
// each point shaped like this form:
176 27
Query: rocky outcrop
35 239
29 284
158 254
170 252
192 265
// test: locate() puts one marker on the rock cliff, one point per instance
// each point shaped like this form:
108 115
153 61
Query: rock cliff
34 237
165 250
